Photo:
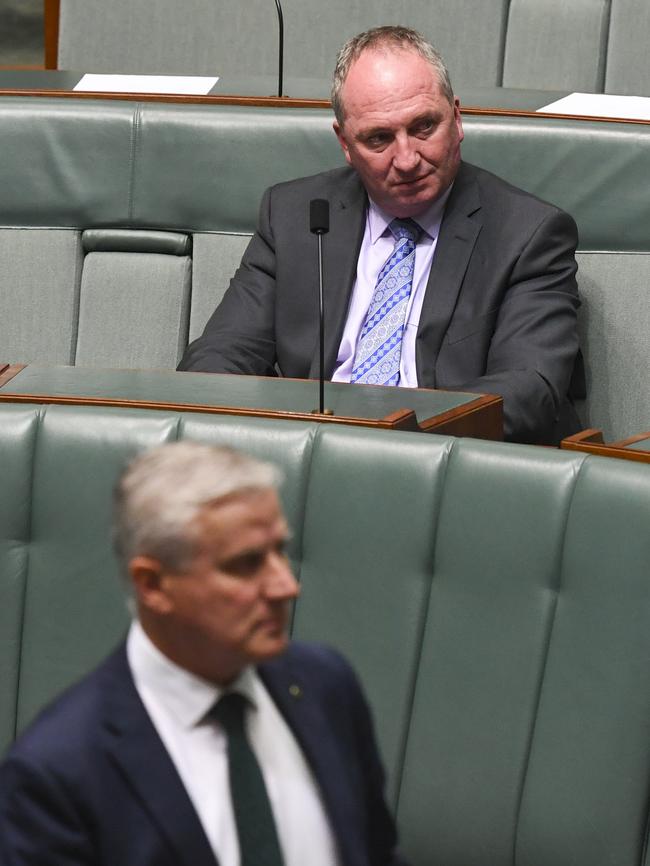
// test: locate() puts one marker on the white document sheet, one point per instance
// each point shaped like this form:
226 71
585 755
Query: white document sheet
601 105
189 85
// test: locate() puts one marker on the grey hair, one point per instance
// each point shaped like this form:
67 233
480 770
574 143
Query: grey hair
387 38
163 490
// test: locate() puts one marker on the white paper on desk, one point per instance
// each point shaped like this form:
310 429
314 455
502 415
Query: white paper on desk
190 85
601 105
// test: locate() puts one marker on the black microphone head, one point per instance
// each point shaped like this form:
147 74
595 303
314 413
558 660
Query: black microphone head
319 216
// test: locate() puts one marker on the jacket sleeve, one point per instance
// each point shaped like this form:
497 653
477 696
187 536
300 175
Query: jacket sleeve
240 335
39 822
534 342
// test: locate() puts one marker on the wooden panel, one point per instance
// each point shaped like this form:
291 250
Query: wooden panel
591 442
52 11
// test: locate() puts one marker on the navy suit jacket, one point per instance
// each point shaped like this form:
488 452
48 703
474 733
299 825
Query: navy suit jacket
499 313
90 781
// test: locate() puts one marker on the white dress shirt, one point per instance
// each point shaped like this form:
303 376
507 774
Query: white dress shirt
177 703
377 245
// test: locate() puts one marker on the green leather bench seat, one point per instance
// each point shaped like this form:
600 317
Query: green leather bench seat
121 224
494 598
592 45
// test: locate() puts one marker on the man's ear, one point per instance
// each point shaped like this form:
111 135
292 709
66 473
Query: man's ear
147 576
342 140
458 120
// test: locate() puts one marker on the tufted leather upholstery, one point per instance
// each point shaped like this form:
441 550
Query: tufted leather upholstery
503 633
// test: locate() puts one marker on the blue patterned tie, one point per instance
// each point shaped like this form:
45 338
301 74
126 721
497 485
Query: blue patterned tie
379 348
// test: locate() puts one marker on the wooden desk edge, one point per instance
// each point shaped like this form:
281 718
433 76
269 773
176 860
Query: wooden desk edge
481 418
274 101
403 419
602 450
8 371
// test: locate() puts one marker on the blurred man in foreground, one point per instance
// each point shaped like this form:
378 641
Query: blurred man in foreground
207 737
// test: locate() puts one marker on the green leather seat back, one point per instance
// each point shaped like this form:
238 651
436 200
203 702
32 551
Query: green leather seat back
628 64
614 325
533 680
373 521
585 45
552 45
207 38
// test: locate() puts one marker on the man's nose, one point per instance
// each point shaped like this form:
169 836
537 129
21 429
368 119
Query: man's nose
280 581
406 156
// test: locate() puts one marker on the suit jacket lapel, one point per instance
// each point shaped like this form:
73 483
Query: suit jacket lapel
340 254
458 234
133 743
293 698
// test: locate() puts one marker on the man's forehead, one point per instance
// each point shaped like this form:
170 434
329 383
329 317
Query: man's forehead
236 521
379 72
246 507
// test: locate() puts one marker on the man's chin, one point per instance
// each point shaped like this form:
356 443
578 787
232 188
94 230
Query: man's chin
411 200
412 206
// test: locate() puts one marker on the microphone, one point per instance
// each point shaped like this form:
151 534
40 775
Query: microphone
280 46
319 216
319 224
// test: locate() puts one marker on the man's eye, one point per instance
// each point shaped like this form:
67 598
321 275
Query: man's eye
248 564
375 142
281 547
425 127
245 565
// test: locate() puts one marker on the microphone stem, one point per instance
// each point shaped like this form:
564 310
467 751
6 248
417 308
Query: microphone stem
321 339
280 46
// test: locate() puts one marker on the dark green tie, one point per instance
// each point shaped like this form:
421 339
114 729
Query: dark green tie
258 838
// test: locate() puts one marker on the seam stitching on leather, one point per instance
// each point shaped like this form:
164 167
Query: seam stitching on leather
604 45
185 312
645 847
40 412
504 40
80 260
421 629
133 156
542 676
313 440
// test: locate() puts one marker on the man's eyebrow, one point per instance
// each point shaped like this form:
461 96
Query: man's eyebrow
430 114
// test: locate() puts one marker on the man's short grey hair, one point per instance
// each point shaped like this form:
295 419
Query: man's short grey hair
163 490
388 38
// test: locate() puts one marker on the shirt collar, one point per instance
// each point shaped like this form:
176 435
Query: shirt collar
188 697
429 221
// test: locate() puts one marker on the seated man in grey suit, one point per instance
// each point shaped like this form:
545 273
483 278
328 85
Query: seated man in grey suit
437 274
206 738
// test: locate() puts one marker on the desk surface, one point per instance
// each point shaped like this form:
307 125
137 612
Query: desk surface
262 89
374 405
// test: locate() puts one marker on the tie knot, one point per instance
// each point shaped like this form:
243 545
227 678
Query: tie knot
406 228
229 712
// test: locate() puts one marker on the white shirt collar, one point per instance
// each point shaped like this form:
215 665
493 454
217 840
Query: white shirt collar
188 697
429 221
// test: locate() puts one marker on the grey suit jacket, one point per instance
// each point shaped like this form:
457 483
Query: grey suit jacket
499 313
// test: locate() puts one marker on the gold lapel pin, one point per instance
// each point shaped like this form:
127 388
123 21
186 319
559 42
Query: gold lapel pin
295 691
